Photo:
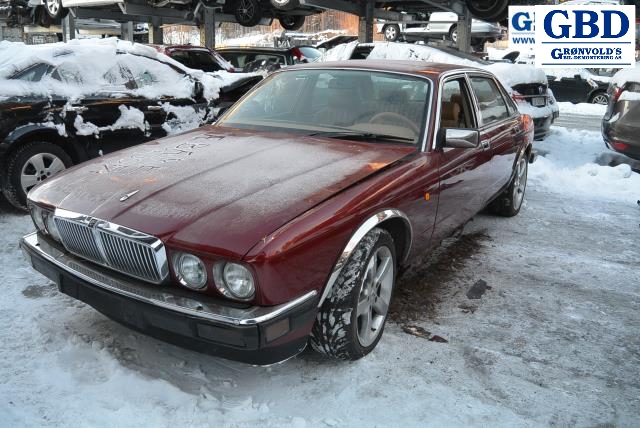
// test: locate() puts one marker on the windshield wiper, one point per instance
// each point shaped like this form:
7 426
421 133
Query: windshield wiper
359 136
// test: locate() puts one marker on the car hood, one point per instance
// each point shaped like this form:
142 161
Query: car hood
215 189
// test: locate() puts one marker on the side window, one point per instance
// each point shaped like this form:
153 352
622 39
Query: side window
33 73
491 105
119 78
455 111
69 73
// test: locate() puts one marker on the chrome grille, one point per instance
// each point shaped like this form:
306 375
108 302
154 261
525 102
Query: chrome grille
121 249
124 254
78 239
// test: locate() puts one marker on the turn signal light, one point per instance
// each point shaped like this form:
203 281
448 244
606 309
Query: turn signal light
527 122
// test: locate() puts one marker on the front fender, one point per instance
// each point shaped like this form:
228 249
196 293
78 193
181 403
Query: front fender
44 129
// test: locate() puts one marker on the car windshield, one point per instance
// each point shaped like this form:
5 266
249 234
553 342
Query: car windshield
354 104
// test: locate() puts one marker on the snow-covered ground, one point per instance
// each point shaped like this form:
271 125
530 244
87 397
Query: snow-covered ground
553 342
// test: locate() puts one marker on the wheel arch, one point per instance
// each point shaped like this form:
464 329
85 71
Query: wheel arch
393 221
27 134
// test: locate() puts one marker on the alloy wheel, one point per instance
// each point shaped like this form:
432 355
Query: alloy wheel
38 168
520 182
53 6
600 99
375 296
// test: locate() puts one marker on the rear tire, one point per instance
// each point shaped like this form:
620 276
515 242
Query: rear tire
486 10
291 22
55 10
509 202
599 98
391 32
28 166
351 321
247 12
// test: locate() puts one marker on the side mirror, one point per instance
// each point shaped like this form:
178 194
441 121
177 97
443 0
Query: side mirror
198 89
460 138
577 77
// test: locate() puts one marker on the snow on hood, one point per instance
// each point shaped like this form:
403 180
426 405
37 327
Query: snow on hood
91 60
626 75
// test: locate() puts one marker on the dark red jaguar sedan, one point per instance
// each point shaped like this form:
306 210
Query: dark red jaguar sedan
287 221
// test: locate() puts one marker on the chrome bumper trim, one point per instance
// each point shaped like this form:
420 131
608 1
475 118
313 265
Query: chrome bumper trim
154 296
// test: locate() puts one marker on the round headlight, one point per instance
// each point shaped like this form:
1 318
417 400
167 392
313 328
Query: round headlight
190 270
234 280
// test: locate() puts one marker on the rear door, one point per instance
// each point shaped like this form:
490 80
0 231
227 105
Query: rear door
169 98
499 131
107 120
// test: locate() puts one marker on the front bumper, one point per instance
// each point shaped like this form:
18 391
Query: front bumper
250 334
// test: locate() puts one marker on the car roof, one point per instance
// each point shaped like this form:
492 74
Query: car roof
253 48
402 66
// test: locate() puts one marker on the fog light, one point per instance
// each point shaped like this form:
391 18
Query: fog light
190 270
277 330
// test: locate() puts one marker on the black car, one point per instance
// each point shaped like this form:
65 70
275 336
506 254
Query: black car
621 122
269 59
578 85
57 109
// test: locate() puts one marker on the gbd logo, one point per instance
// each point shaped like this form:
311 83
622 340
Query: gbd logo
523 21
586 24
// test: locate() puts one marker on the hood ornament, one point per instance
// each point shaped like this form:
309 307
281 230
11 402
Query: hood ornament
128 195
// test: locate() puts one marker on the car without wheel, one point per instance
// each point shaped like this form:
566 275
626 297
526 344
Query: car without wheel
439 25
287 221
60 106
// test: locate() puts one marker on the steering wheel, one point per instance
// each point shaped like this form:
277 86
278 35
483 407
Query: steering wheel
388 116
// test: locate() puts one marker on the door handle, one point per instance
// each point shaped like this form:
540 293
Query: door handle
77 109
485 144
154 108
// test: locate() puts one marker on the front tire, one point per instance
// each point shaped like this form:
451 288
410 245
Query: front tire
291 22
453 33
247 12
509 202
28 166
351 321
391 32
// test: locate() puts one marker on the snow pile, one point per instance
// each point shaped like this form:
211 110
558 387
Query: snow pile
570 73
83 75
626 75
576 163
181 119
340 52
130 118
586 109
